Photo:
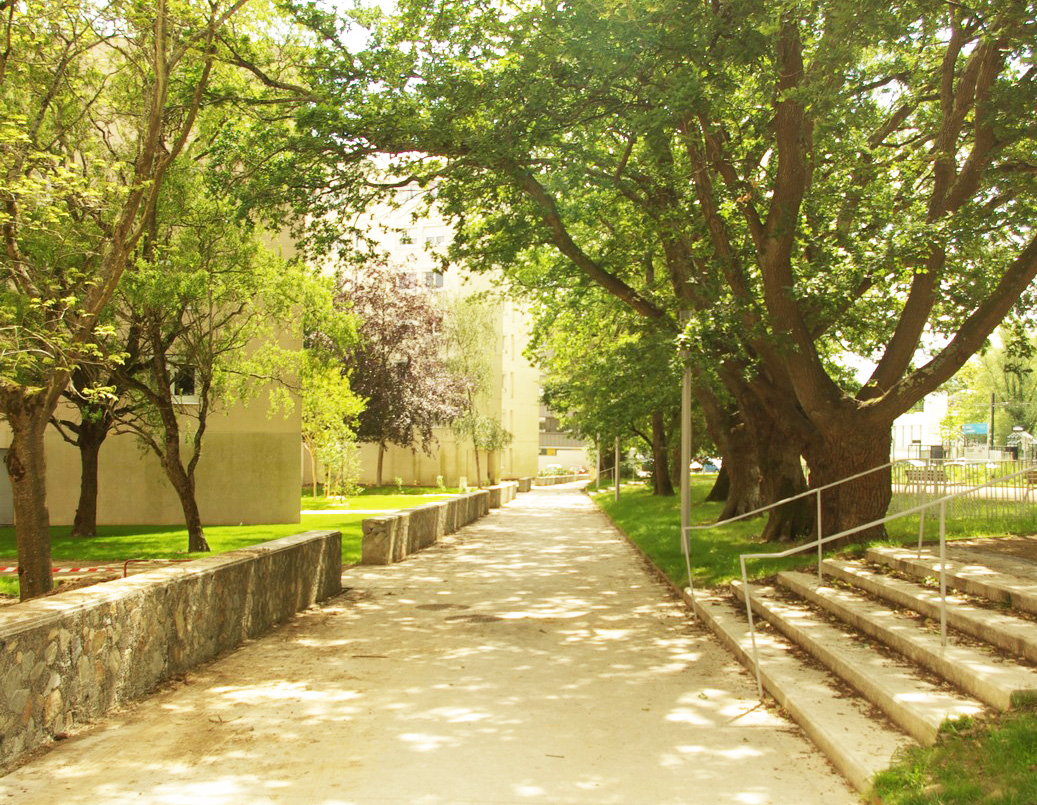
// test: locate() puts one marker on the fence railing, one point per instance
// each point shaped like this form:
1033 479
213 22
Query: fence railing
945 494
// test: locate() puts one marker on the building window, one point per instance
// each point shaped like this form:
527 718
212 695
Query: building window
407 237
434 279
184 387
435 240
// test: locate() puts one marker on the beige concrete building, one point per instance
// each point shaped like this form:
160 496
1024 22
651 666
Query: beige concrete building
249 471
412 238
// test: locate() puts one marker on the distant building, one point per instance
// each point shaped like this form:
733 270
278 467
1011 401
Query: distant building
917 434
558 447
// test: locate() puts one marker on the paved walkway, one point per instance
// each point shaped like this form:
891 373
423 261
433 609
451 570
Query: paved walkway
528 659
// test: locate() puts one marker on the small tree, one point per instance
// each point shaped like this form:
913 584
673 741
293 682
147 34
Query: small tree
468 333
330 410
490 435
209 302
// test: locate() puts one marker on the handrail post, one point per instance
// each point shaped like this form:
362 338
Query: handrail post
820 534
752 628
943 573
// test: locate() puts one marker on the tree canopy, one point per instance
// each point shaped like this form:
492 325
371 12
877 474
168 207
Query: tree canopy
806 178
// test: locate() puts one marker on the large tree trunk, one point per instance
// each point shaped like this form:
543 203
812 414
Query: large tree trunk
783 478
91 436
740 464
661 480
741 461
781 472
28 473
378 472
847 449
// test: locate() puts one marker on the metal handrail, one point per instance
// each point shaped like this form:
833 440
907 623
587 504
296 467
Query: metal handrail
686 538
819 542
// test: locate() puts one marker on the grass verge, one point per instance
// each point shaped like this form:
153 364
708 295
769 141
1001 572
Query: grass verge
974 762
378 497
654 524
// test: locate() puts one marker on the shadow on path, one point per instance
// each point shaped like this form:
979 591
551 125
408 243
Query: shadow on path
529 658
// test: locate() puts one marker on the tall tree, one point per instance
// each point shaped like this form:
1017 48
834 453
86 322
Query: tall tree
96 102
819 177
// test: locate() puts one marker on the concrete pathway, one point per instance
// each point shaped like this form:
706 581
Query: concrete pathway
528 659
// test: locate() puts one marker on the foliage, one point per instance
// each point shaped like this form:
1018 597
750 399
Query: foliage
1007 371
974 762
807 179
468 333
330 410
207 306
397 367
96 104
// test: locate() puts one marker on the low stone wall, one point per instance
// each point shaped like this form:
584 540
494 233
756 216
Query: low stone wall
70 657
393 537
502 493
524 484
551 480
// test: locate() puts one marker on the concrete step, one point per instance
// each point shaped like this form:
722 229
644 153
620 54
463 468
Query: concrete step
858 741
915 705
970 571
1005 631
980 673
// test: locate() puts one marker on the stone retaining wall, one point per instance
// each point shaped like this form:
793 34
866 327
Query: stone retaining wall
391 538
551 480
70 657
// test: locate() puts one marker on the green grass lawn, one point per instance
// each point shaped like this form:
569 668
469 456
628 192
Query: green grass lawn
379 497
654 524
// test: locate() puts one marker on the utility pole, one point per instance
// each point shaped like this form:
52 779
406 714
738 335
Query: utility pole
686 459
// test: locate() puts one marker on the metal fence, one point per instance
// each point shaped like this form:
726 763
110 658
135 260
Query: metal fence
1011 494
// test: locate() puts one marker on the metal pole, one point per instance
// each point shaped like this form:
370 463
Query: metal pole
752 628
820 533
943 573
686 473
615 470
597 466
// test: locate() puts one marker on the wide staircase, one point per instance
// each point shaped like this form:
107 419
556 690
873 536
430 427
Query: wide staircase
862 661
